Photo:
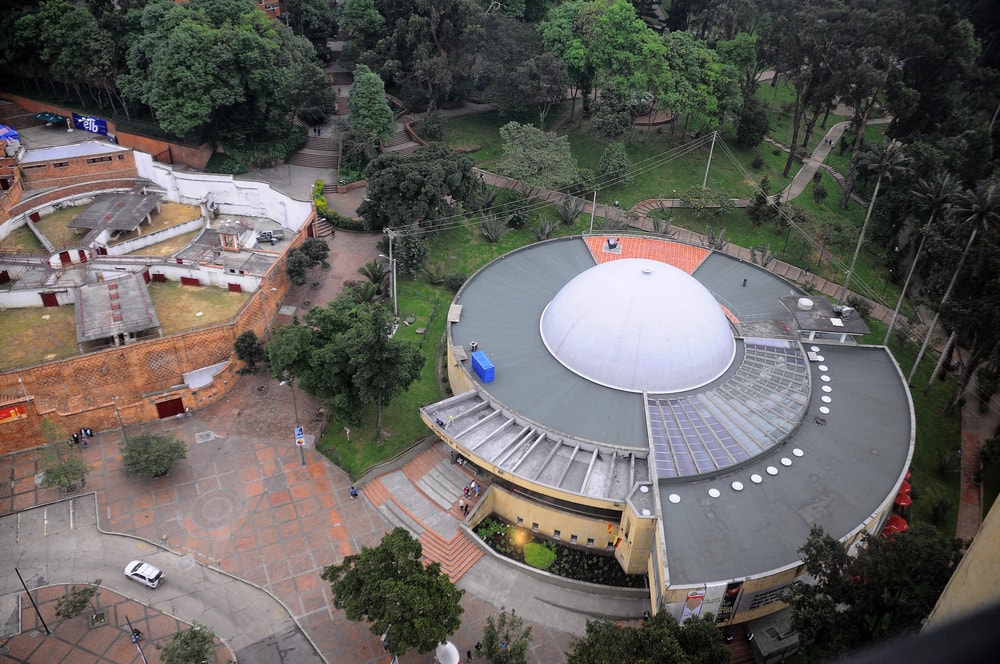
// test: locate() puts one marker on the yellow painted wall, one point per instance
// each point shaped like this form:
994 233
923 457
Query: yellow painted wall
523 512
638 535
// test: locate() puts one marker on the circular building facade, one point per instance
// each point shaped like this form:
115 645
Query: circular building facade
671 406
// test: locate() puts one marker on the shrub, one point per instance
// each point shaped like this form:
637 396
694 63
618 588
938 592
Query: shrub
820 193
432 126
454 281
757 163
538 555
152 454
323 210
493 227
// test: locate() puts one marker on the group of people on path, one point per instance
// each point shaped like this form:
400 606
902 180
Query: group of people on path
82 436
467 493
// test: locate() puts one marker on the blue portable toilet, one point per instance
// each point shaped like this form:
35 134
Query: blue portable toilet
482 366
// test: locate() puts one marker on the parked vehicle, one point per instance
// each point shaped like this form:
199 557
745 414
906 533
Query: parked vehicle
144 573
271 236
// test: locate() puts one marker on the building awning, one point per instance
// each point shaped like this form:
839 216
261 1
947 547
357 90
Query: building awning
51 118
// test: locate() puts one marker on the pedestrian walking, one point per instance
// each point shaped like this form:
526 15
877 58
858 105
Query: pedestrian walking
479 647
477 490
472 485
466 491
461 505
468 509
453 451
76 439
354 493
468 655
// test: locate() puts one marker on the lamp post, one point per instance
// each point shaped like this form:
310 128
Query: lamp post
120 423
299 433
392 266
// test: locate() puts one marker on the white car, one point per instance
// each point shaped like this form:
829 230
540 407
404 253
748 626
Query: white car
144 573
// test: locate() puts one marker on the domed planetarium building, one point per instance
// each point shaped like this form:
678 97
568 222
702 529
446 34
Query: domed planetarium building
686 410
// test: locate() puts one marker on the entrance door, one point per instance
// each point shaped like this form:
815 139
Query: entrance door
170 408
49 300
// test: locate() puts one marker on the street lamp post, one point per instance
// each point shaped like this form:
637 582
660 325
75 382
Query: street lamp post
299 433
120 423
392 266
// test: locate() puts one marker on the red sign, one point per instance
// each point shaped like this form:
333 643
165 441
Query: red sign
12 413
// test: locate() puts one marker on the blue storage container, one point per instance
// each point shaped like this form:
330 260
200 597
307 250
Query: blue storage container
482 366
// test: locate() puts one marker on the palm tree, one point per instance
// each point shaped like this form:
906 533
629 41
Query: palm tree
937 194
979 207
885 162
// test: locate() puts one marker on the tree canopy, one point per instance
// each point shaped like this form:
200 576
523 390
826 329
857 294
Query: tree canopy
887 589
371 118
416 189
390 585
537 157
343 353
659 639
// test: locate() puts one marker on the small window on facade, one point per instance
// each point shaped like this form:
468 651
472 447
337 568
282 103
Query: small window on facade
557 534
121 157
520 520
534 526
590 542
611 546
573 539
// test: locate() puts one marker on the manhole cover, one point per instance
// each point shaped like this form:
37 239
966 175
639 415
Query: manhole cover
185 562
306 303
261 390
203 437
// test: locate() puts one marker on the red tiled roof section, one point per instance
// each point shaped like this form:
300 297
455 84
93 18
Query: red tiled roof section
682 256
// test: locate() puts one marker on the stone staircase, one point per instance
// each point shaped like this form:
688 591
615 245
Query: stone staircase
400 142
434 486
319 152
740 650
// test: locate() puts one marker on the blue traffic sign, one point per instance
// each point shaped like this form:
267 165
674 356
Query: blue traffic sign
299 432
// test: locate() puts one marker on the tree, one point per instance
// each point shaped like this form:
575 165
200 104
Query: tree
189 646
389 585
613 113
305 257
430 49
218 69
885 162
972 310
536 157
937 194
65 469
297 266
343 354
364 26
886 590
249 350
615 165
50 431
77 601
505 638
417 189
152 454
657 639
371 119
316 250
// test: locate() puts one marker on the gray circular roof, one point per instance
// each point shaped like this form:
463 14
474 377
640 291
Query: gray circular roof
636 324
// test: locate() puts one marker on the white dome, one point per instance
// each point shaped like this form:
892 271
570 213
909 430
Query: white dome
636 324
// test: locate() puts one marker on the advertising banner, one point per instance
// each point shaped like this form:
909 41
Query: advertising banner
93 125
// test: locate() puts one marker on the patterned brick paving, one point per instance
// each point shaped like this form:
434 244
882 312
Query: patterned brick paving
682 256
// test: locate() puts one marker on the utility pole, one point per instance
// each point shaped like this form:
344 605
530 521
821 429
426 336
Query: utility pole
711 151
300 437
392 266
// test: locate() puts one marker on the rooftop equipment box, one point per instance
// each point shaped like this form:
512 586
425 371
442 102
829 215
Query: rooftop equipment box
482 366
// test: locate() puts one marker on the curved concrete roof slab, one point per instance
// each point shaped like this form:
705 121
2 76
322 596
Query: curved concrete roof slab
639 325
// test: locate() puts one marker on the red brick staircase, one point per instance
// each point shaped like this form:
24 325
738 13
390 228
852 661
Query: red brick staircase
457 555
